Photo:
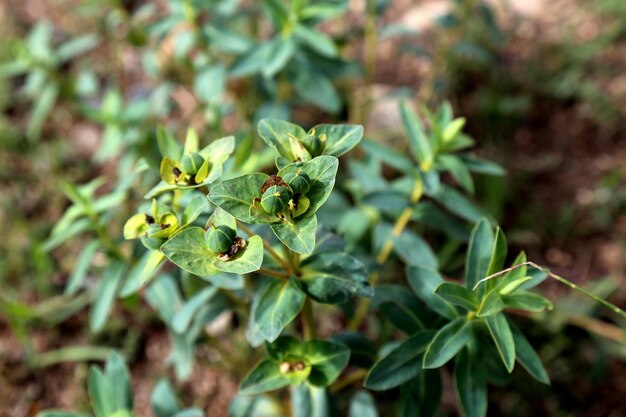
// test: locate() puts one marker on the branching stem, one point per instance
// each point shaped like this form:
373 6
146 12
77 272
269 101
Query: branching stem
385 251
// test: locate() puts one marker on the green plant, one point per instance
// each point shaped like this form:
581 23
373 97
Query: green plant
42 64
111 394
251 248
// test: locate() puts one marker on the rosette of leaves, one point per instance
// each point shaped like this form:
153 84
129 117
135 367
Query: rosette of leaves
473 328
296 51
189 166
218 249
288 209
294 144
435 148
293 362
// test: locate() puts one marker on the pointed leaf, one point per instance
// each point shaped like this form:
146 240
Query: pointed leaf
298 236
400 365
279 304
266 376
470 384
503 339
448 341
457 295
334 277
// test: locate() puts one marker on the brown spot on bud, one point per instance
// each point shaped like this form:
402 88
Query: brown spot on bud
176 171
271 181
149 219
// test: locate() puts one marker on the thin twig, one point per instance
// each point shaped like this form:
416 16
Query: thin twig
562 280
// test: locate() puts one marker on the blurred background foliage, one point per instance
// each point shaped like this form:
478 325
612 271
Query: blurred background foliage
84 84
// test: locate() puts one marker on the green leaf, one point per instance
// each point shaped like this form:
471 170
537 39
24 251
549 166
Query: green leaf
105 296
194 208
266 376
237 195
41 110
168 145
322 171
280 54
479 253
279 304
457 203
413 249
82 267
316 88
142 272
76 46
402 317
188 250
327 360
340 139
298 236
491 304
527 356
163 401
276 134
499 253
251 61
362 405
56 413
452 129
418 141
448 341
512 280
457 295
318 41
458 170
184 316
246 260
309 401
119 377
526 300
421 396
334 278
470 384
100 393
503 339
387 155
400 365
423 281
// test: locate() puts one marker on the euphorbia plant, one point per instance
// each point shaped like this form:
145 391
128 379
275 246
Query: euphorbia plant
249 247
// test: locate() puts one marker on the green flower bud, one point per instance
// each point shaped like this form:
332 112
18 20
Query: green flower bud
300 182
275 199
314 144
221 238
191 163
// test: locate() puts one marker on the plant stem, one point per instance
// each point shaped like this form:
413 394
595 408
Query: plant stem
308 322
273 274
385 251
354 377
266 245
